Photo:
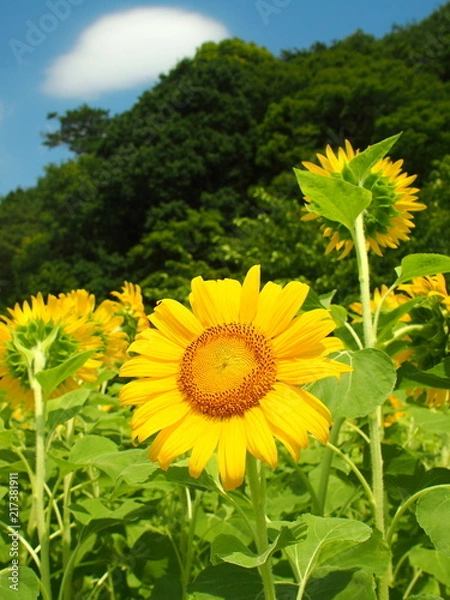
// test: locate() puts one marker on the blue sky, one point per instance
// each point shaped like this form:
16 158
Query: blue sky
57 54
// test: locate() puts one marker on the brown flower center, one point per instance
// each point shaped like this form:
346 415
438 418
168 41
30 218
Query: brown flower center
227 370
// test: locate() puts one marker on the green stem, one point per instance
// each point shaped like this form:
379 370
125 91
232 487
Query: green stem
375 418
403 507
192 510
67 487
257 485
39 487
326 465
362 480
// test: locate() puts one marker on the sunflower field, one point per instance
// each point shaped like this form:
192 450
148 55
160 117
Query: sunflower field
255 441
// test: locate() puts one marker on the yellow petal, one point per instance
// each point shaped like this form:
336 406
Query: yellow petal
158 413
232 453
157 346
304 334
284 415
204 446
140 366
279 306
260 440
176 322
182 438
301 371
250 294
141 390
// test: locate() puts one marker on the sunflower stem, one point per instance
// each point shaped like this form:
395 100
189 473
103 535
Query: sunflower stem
257 484
375 417
326 465
38 364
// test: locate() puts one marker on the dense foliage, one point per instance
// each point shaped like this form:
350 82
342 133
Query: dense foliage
197 175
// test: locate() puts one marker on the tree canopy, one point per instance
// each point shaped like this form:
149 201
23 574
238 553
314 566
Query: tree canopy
197 176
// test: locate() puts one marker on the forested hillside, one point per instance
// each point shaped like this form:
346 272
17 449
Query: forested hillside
197 176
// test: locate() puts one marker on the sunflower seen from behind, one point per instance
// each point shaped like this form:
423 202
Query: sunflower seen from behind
226 375
388 219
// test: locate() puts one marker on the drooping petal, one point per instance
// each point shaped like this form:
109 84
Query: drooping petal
260 440
232 453
158 413
204 446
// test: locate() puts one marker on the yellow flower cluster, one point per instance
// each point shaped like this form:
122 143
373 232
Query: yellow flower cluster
61 327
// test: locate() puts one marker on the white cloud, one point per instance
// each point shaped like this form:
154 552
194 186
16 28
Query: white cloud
128 48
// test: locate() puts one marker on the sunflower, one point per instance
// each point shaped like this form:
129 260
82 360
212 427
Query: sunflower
431 285
391 302
63 327
226 375
132 308
388 219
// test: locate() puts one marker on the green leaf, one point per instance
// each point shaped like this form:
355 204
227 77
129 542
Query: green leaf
333 198
433 515
431 561
357 393
362 163
88 449
425 597
409 376
227 582
91 509
51 378
65 407
26 587
342 585
430 420
325 538
372 556
420 265
230 549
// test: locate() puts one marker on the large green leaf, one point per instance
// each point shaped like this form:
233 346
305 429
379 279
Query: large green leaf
357 393
65 407
372 556
26 587
88 449
433 515
227 582
51 378
325 538
334 198
420 265
230 549
430 420
342 585
431 561
361 165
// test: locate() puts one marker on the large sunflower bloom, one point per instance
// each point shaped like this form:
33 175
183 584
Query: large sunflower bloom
226 375
388 219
